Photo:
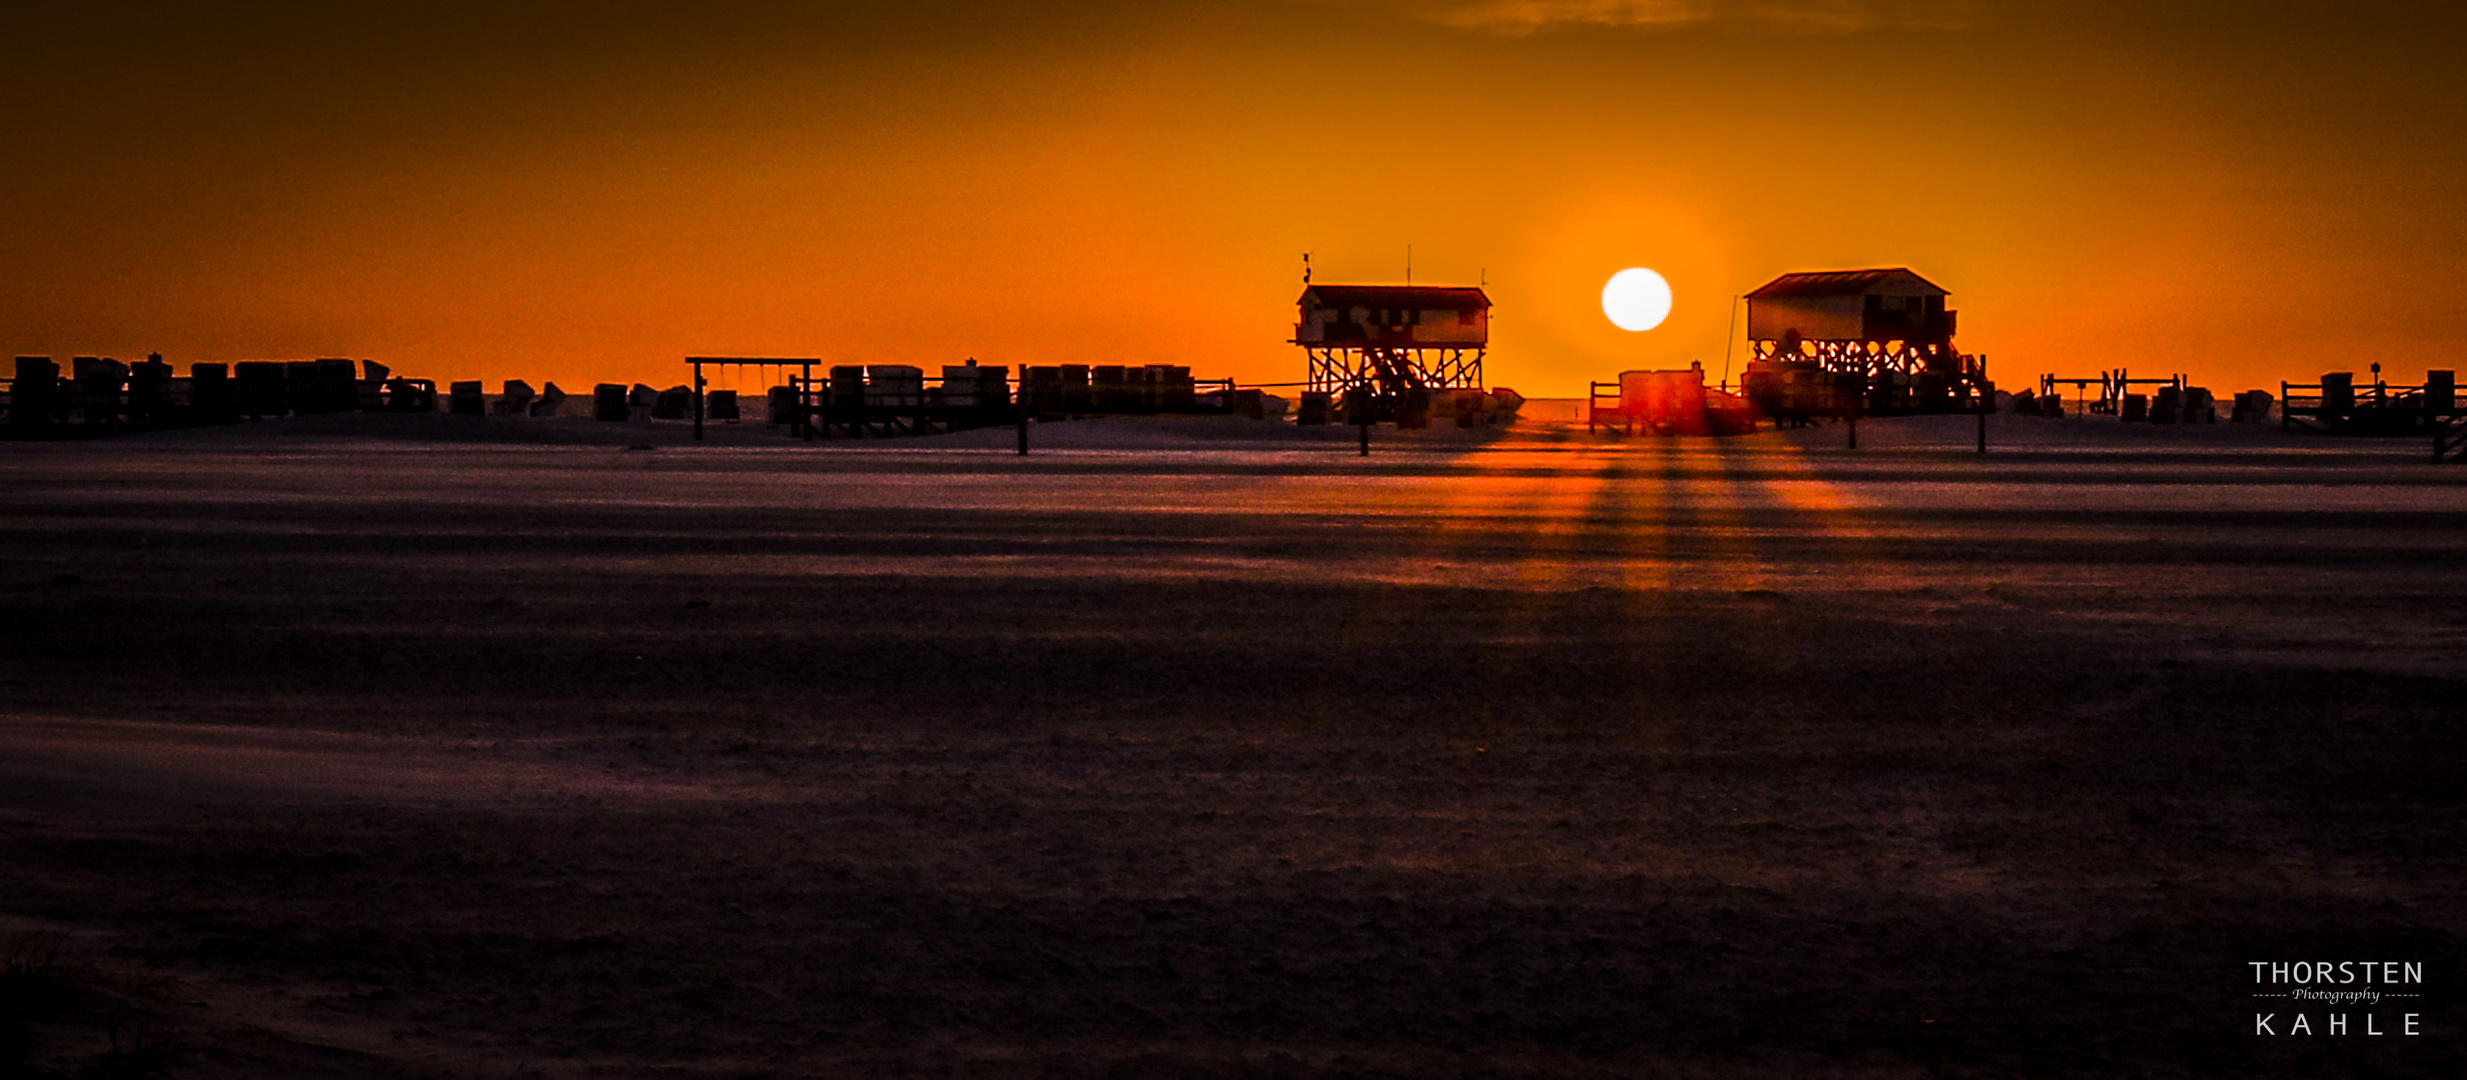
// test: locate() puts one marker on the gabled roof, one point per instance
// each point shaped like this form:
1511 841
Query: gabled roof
1395 296
1836 283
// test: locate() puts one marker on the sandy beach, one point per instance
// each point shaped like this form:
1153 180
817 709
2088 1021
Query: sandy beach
438 746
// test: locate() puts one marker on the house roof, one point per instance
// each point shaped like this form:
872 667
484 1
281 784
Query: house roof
1395 296
1836 283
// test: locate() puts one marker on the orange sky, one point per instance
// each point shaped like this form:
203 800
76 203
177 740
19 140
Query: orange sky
591 192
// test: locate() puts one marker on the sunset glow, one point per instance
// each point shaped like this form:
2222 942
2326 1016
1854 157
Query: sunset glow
548 194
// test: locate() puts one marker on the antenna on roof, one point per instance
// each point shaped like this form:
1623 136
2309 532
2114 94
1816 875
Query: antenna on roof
1409 264
1486 277
1306 268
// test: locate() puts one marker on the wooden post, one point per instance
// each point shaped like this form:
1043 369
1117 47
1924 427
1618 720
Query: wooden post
1854 429
697 401
1983 429
1023 431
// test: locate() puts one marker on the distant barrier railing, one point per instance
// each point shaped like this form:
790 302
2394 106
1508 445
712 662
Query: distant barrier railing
2337 405
892 400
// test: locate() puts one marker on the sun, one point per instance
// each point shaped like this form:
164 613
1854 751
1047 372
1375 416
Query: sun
1636 299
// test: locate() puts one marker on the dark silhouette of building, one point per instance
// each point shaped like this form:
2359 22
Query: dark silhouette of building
1393 337
1841 341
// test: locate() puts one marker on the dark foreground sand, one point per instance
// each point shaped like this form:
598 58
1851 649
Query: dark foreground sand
1198 749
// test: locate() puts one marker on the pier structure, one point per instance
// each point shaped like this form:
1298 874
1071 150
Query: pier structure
1393 338
1843 342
